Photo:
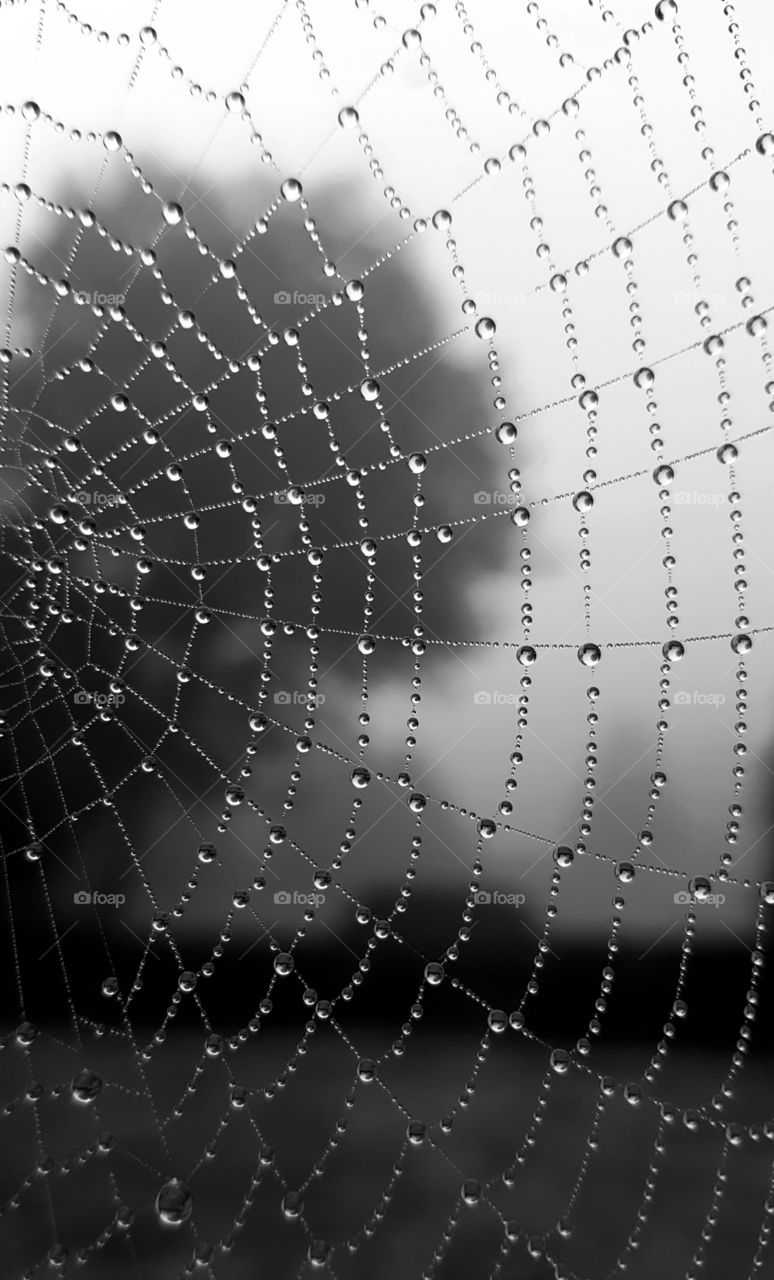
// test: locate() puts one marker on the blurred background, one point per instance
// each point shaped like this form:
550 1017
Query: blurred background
291 625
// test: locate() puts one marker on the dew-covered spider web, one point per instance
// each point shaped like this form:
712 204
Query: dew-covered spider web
386 400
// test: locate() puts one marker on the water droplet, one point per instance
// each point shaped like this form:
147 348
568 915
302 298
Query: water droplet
506 433
625 872
370 389
366 1070
416 463
360 777
292 1204
563 856
434 973
319 1254
86 1086
560 1061
741 643
589 654
471 1191
207 852
174 1203
673 650
349 118
487 828
663 475
366 644
526 655
583 501
485 327
112 141
172 213
497 1021
284 964
291 190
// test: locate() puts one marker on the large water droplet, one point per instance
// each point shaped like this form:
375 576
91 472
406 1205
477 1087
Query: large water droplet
174 1203
86 1086
284 964
560 1061
485 328
589 654
172 213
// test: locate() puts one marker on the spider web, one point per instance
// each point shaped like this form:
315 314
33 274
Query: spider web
149 1131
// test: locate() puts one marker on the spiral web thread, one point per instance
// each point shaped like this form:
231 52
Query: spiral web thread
36 680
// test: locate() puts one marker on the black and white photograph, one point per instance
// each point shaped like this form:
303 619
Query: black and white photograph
386 640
